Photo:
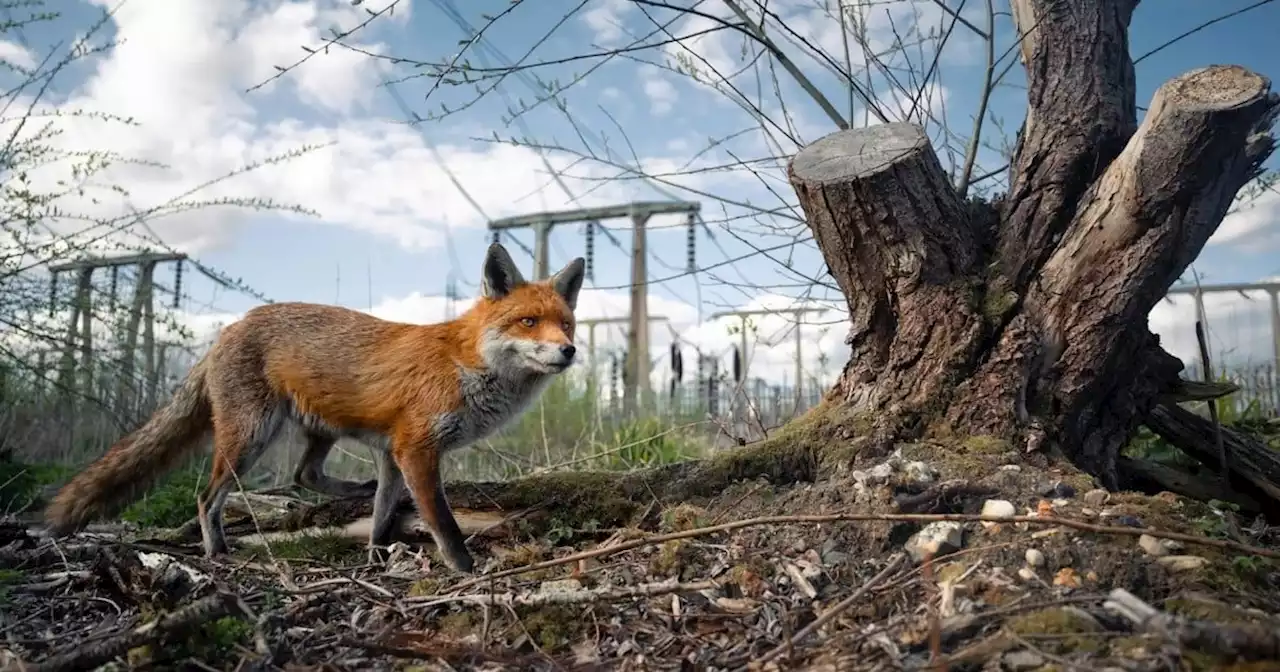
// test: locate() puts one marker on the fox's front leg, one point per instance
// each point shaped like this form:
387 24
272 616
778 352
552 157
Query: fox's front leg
419 462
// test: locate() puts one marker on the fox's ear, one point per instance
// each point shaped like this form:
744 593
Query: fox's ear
500 274
568 282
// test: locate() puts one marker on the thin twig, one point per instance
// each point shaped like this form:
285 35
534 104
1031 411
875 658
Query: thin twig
1224 465
568 596
971 155
839 608
791 68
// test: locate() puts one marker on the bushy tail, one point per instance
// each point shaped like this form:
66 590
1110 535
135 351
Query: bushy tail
134 463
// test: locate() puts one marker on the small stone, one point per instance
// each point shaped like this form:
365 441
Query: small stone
1061 502
1026 574
881 472
919 472
1152 546
834 558
860 477
1182 563
1034 558
1066 578
1128 521
997 508
936 539
1059 490
1096 497
1022 660
560 586
1011 467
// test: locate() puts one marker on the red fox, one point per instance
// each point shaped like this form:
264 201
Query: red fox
413 392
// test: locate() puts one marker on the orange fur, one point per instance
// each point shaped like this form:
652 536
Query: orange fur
425 389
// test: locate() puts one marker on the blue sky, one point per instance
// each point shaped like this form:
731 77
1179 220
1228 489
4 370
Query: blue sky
391 226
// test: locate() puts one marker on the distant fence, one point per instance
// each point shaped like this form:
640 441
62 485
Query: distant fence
742 411
1259 393
1244 329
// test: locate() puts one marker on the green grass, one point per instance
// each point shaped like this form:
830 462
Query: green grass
171 502
8 577
20 484
565 429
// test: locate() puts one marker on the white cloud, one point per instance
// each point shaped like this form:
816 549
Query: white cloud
917 104
193 116
1253 226
711 54
605 18
662 95
771 340
1239 328
17 55
339 81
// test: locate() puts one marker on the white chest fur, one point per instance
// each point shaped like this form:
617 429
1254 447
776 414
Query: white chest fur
489 401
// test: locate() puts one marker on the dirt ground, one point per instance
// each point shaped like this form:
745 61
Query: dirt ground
706 585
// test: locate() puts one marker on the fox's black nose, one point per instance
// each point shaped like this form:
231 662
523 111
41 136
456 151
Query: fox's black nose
568 350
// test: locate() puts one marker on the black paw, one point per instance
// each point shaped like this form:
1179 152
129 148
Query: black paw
459 560
378 555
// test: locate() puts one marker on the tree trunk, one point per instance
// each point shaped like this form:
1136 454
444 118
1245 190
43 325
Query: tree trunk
1026 318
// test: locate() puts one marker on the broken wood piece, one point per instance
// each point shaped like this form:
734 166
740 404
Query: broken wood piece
1198 390
1254 465
1250 641
1152 477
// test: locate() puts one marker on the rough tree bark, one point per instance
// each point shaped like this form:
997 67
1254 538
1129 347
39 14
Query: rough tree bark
1035 328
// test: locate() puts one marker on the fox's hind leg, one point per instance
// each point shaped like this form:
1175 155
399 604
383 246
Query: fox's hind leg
390 485
240 435
310 472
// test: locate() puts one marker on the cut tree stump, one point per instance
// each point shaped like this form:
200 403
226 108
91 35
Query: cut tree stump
902 247
942 338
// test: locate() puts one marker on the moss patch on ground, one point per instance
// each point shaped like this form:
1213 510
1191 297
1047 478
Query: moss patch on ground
8 577
326 546
1066 629
553 628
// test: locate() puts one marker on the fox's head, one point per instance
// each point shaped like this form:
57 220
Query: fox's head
528 326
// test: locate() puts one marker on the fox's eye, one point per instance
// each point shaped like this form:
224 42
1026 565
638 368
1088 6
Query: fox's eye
566 327
527 321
